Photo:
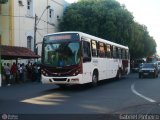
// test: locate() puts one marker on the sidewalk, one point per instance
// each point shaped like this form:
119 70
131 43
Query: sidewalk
19 82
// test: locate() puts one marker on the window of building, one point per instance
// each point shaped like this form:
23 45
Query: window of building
30 8
86 52
94 48
20 3
51 15
29 42
28 4
101 49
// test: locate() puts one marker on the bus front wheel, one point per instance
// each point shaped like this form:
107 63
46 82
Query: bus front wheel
94 79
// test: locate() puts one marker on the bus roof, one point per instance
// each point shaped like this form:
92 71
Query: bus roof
92 37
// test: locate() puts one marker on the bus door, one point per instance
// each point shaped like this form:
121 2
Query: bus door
87 73
110 63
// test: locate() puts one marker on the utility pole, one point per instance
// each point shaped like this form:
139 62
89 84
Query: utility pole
35 31
37 20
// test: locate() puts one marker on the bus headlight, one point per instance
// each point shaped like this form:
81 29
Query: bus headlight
76 72
44 73
75 79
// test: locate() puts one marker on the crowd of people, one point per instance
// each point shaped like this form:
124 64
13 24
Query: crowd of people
19 73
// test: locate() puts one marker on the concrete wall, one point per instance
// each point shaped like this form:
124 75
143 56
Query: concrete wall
24 25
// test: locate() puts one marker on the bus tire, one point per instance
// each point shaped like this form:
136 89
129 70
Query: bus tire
95 79
119 74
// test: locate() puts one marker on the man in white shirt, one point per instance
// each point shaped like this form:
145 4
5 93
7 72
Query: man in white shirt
7 73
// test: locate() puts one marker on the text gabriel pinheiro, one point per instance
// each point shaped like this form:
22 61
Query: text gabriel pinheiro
139 116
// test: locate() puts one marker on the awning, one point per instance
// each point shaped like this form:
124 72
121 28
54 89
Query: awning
14 52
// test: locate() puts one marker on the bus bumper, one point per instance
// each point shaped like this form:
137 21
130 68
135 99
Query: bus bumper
62 80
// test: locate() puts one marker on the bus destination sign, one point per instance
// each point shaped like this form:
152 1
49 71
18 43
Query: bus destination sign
60 37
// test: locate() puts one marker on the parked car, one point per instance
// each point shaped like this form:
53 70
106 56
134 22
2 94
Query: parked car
148 69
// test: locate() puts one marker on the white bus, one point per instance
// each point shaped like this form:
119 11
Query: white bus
77 58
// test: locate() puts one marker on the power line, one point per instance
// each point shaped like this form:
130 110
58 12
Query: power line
26 17
39 33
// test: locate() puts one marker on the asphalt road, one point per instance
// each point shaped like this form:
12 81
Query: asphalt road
129 95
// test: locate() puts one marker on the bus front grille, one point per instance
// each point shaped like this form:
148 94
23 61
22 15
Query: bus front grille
59 79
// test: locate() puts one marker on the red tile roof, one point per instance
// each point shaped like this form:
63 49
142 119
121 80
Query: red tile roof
14 52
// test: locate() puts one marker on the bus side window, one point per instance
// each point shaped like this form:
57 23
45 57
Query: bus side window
126 54
108 51
111 51
86 52
119 53
123 53
101 49
94 48
115 52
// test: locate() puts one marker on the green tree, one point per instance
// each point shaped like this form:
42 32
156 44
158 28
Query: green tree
141 43
3 1
110 20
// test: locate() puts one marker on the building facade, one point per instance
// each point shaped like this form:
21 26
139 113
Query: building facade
18 19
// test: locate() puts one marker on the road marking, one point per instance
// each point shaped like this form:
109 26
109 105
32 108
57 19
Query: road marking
140 95
48 99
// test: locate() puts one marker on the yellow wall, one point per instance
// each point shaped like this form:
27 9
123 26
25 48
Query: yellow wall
11 26
6 23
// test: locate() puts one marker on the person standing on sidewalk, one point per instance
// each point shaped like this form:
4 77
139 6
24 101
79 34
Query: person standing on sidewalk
14 71
7 73
21 73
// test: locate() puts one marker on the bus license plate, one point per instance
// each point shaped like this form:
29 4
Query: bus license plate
145 73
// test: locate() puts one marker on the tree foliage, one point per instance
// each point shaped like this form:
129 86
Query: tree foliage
3 1
110 20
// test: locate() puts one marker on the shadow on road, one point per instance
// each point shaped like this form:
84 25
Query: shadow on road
83 87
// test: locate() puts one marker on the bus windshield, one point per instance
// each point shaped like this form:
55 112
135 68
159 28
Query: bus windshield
61 54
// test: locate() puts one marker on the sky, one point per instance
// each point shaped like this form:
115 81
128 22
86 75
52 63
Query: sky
146 12
71 1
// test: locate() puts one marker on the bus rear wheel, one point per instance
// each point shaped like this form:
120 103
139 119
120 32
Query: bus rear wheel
119 74
94 79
